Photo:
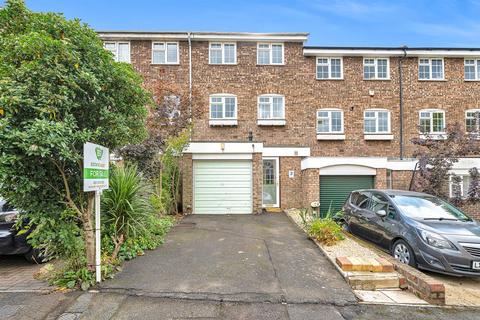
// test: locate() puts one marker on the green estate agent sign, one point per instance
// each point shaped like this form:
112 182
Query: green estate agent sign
95 167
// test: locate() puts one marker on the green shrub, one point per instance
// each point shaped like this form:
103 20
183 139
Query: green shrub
326 231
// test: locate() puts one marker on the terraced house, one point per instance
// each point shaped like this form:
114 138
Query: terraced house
281 124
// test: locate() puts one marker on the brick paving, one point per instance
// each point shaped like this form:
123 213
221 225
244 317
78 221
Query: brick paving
16 275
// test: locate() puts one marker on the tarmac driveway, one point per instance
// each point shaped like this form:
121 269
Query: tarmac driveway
243 258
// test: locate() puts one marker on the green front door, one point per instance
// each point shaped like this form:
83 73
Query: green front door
334 190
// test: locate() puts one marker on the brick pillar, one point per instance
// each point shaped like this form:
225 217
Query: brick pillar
381 179
257 176
187 183
311 186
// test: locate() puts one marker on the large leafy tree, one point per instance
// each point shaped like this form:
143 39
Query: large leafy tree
59 88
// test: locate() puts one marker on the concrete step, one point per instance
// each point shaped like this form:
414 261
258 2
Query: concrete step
373 281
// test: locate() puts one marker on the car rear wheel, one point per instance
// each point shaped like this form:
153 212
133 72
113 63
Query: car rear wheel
402 252
35 256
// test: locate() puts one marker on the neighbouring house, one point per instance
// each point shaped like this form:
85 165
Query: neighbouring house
281 124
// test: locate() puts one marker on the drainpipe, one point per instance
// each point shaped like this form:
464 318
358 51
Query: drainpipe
400 77
190 76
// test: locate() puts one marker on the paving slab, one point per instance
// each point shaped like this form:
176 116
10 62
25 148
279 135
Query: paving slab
17 275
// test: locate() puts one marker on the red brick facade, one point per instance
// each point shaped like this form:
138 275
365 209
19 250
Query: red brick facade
304 95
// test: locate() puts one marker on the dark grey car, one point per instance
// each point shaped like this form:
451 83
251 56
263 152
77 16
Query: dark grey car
416 228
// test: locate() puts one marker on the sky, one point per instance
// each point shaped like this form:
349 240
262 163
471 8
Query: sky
421 23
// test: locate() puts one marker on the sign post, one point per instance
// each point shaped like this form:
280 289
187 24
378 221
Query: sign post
95 178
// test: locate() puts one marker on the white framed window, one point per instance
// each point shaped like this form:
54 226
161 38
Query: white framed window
270 53
223 109
165 52
329 121
432 121
120 50
464 185
222 53
329 68
376 121
376 68
472 69
472 121
430 69
271 110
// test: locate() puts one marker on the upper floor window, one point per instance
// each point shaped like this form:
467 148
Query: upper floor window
376 68
472 120
271 107
223 53
376 121
430 69
165 52
329 68
270 53
330 121
472 69
223 106
432 121
120 50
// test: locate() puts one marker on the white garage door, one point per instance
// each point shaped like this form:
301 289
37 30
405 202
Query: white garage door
222 187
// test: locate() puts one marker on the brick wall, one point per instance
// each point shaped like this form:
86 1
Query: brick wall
290 188
257 167
187 183
381 179
401 179
311 186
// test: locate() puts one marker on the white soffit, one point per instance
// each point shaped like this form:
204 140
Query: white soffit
347 170
203 36
370 162
365 52
286 152
223 147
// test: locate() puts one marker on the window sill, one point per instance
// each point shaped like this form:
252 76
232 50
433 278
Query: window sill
329 79
472 80
436 136
222 64
378 136
271 122
434 80
386 79
322 136
270 64
165 64
223 122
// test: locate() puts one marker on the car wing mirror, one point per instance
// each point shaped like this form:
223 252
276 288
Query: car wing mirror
381 213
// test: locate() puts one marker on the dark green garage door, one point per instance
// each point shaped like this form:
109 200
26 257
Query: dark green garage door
334 190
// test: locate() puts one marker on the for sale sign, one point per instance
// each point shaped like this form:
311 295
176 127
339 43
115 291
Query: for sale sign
95 167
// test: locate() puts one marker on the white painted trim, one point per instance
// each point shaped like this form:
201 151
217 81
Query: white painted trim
375 64
204 36
271 54
372 162
433 135
376 123
166 43
348 170
277 182
224 147
223 53
286 152
271 122
430 69
374 136
339 52
329 64
228 156
270 97
436 136
223 122
330 136
336 133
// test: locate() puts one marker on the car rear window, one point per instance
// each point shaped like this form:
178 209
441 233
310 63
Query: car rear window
427 207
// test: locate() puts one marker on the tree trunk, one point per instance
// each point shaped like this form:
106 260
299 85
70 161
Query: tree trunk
88 228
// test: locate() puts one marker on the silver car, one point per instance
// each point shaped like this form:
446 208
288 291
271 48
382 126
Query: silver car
417 229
